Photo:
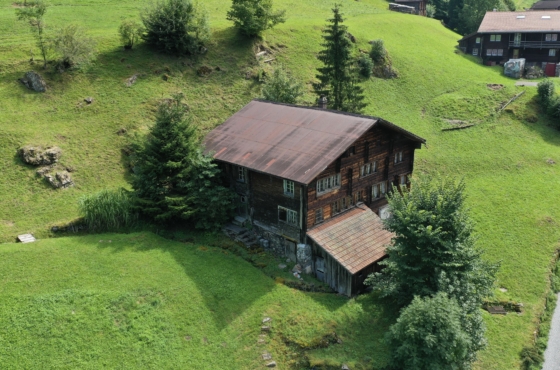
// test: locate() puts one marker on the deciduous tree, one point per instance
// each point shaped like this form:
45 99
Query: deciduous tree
34 13
282 88
251 17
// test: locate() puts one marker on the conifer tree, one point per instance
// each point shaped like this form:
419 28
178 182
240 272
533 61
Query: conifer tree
173 179
337 78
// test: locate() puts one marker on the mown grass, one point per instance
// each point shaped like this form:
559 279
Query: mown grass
505 158
141 301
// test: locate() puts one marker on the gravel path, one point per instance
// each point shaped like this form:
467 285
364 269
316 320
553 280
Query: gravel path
552 353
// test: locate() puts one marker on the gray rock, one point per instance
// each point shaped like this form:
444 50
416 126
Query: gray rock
345 367
265 328
271 364
61 179
266 319
37 156
33 81
266 356
88 100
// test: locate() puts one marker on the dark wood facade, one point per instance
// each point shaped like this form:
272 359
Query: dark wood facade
534 47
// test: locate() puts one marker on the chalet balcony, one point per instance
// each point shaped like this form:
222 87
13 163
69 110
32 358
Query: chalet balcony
535 44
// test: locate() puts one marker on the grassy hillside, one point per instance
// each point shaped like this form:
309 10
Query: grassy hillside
142 302
511 183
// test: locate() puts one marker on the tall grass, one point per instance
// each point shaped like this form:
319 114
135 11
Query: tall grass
108 210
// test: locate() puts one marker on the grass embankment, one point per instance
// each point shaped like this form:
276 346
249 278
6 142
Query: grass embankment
507 159
140 301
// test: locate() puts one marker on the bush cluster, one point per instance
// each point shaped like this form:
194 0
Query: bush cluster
549 101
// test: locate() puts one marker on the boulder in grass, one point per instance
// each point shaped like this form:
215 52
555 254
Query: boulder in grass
37 156
33 81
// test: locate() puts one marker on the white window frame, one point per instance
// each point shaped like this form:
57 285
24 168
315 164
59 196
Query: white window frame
551 52
379 190
495 38
289 188
398 157
477 41
500 52
368 169
291 216
241 174
327 184
551 37
475 52
319 217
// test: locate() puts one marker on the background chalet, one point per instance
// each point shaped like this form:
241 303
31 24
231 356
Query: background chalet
312 183
532 35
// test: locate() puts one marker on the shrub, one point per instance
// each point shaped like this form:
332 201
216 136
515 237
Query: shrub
73 46
545 90
430 10
176 27
378 53
108 210
531 357
251 17
366 65
428 335
282 88
130 31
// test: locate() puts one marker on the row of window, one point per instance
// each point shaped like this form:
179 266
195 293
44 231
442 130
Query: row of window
328 183
498 38
500 52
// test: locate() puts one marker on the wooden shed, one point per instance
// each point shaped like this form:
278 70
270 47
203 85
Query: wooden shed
347 248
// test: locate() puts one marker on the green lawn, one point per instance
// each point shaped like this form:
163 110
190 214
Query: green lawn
139 301
511 187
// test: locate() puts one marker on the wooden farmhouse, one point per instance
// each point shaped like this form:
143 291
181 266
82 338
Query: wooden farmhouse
532 35
312 184
416 6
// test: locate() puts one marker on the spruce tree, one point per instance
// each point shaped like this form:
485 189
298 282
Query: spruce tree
337 78
163 165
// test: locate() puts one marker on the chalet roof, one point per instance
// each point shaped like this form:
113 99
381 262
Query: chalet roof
355 239
527 21
547 4
288 141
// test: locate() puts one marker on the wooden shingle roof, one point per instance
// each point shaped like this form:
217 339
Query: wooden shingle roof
355 239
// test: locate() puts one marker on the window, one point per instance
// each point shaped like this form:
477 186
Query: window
328 183
379 190
475 51
289 188
403 179
478 40
496 38
287 215
343 204
551 37
358 196
318 215
552 52
500 52
495 52
241 174
398 157
368 169
351 151
335 208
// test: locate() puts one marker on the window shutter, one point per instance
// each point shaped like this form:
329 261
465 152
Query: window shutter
338 164
366 151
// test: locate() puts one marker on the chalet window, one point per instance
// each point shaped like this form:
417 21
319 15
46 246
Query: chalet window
496 38
403 179
318 215
351 151
552 52
241 174
379 190
478 40
475 51
500 52
335 208
551 37
328 183
288 188
358 196
343 204
287 215
368 169
398 157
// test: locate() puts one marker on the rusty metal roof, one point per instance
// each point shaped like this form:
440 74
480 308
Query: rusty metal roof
355 239
289 141
527 21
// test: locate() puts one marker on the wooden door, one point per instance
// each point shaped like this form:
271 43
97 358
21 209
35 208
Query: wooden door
290 250
242 206
515 53
550 70
320 268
